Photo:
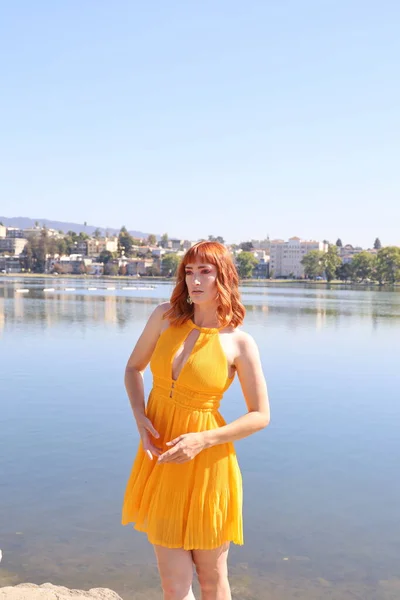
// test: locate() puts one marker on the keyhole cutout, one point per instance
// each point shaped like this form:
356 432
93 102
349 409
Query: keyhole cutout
183 354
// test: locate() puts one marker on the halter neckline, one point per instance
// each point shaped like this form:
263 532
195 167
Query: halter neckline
204 329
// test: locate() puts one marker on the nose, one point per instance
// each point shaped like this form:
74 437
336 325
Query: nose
196 280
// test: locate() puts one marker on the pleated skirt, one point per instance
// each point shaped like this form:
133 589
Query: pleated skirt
193 505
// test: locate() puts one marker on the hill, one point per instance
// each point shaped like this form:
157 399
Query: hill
24 222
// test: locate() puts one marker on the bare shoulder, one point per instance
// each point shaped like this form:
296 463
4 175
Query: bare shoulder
158 315
245 344
162 308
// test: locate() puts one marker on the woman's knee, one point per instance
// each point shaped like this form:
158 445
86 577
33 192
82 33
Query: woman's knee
212 571
175 588
176 572
212 579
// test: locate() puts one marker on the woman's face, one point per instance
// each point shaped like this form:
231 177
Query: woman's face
201 280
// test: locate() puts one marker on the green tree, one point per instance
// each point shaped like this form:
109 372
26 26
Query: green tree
246 246
339 243
388 264
313 263
97 233
363 266
106 256
246 261
170 264
26 257
154 271
151 239
125 242
377 244
345 272
332 262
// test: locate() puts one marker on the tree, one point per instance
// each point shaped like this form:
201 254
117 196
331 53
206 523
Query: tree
105 256
97 234
332 262
246 246
313 263
170 264
125 242
110 269
339 243
388 264
363 266
151 239
345 272
246 261
58 268
154 271
218 239
377 244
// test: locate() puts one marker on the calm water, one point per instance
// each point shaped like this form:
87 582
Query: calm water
322 487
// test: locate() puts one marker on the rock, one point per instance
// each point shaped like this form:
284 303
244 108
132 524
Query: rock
48 591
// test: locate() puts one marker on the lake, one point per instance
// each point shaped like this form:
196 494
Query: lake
321 483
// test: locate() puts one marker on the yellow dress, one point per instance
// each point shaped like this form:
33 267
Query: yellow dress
196 504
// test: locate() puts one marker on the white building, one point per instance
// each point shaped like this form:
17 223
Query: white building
286 256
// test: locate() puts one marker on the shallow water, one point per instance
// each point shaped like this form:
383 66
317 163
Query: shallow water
321 482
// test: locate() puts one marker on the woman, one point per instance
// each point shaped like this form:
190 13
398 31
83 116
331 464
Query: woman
185 489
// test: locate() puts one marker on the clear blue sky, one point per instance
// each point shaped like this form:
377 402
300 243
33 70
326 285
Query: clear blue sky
219 117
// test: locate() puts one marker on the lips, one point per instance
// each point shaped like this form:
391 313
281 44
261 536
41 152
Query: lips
197 292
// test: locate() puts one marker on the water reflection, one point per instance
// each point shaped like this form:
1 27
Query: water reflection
321 484
120 307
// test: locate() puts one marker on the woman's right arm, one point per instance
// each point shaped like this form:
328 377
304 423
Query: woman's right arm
137 363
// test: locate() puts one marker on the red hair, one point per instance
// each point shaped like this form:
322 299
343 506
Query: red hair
230 310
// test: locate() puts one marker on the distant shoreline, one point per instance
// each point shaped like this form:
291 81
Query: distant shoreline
264 282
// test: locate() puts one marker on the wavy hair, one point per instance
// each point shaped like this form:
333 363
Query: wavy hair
230 310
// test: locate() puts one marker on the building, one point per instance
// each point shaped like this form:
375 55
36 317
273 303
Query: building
261 270
175 244
13 246
262 244
348 252
138 266
286 257
96 247
10 264
3 231
15 232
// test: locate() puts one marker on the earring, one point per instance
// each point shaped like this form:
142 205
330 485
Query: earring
189 300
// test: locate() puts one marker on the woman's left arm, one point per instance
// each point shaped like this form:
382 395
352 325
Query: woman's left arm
252 381
254 388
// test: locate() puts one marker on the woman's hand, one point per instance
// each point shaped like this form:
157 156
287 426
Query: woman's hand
146 432
184 448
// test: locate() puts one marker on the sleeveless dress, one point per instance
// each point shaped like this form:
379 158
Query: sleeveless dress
196 504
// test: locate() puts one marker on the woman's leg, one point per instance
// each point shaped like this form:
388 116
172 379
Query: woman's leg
212 571
175 566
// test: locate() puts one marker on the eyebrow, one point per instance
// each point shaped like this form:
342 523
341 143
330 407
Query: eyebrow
200 266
